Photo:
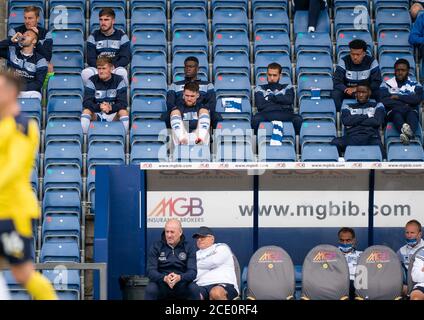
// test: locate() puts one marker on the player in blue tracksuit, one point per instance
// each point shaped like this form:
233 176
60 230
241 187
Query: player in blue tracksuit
401 96
171 266
274 101
105 97
207 95
362 121
31 19
108 41
27 64
355 68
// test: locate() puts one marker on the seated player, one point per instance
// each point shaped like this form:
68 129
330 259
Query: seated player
362 121
110 42
27 64
105 96
417 275
193 112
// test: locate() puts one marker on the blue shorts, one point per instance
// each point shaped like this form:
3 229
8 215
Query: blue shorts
13 246
229 288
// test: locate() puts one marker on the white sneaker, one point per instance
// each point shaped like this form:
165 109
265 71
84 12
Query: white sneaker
341 159
311 29
406 129
404 138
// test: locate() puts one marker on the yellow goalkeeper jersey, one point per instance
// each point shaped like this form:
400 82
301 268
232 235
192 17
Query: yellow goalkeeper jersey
18 148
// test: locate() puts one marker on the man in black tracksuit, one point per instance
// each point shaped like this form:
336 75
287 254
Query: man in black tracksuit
353 69
172 266
274 101
362 121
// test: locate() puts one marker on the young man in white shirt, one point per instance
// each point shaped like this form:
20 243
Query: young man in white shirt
216 275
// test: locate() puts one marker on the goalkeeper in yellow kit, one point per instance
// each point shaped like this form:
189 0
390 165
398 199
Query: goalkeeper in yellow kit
18 204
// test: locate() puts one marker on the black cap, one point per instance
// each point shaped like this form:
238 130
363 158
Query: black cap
203 232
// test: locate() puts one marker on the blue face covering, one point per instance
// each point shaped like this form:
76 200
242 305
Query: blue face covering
411 242
345 247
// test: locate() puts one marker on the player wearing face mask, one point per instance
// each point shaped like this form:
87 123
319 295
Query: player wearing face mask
413 234
347 245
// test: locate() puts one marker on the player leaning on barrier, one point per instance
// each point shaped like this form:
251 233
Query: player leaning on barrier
171 266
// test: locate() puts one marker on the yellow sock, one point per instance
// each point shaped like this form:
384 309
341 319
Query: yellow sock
40 288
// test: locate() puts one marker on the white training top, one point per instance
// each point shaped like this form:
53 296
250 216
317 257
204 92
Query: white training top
405 253
352 261
216 265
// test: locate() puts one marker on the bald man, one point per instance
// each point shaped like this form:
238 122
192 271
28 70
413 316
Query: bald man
171 266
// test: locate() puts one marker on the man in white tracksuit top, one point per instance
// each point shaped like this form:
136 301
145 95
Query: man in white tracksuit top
216 275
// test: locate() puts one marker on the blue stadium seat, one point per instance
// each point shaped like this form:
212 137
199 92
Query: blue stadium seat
103 131
148 84
394 40
231 62
348 19
147 107
392 18
346 36
390 4
308 81
104 153
148 3
265 132
285 152
148 131
314 109
193 153
399 152
313 62
301 22
229 18
148 152
149 61
75 18
261 78
317 131
232 85
67 283
149 18
120 18
271 40
188 4
264 58
63 153
91 188
31 107
64 108
244 113
34 181
313 41
391 135
271 19
319 152
60 251
350 4
189 40
22 3
229 3
270 4
17 292
65 85
71 62
60 226
149 40
67 3
178 64
363 153
233 131
61 202
234 152
108 3
189 18
62 178
63 130
227 40
68 39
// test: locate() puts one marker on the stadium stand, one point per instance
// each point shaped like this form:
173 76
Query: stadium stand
234 42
